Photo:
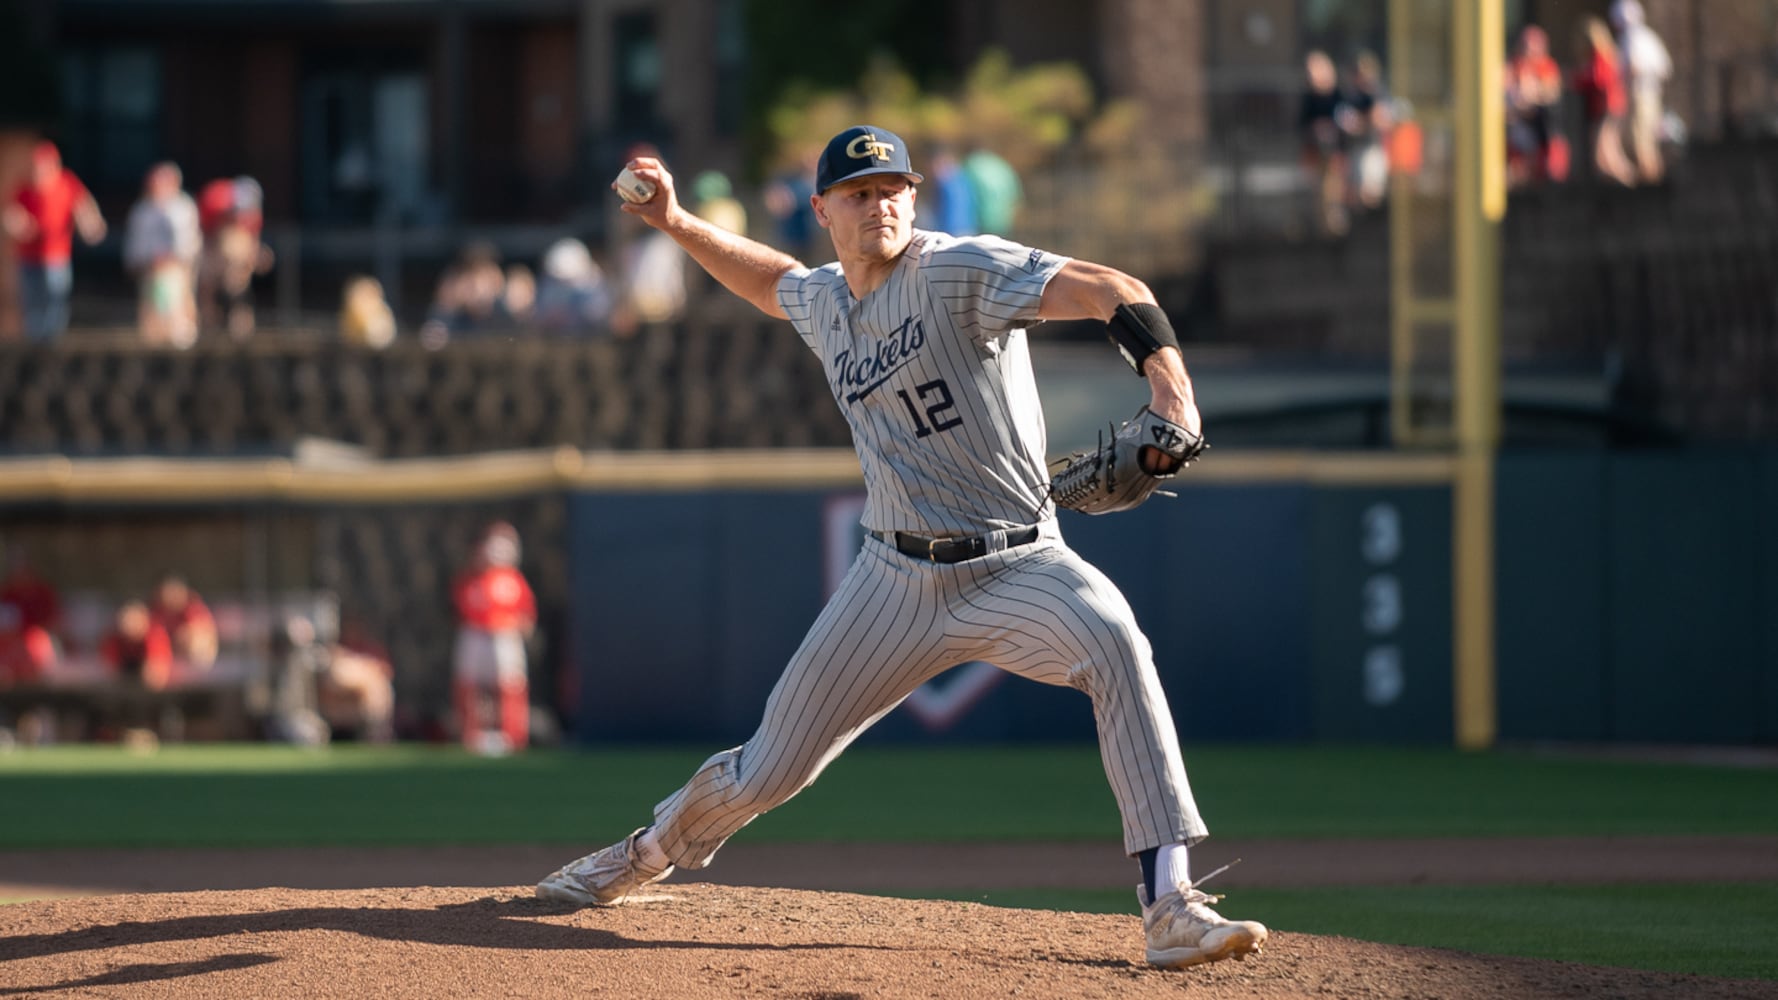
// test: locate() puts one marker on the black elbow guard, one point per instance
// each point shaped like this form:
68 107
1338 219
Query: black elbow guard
1140 330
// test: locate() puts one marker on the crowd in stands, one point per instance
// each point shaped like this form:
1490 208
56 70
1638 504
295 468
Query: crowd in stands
309 677
194 259
151 643
570 293
1353 132
56 684
1619 75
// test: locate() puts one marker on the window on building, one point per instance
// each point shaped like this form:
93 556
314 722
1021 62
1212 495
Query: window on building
1343 28
637 62
366 145
111 129
731 65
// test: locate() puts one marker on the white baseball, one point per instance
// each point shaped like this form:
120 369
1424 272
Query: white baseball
633 189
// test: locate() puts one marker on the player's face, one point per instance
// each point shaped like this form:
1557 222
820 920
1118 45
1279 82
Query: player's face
871 217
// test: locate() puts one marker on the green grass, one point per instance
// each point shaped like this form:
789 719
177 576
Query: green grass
1714 929
91 796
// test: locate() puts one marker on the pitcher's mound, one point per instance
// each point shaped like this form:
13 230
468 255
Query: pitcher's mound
698 941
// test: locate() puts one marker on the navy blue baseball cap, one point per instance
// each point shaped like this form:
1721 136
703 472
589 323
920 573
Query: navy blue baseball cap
860 151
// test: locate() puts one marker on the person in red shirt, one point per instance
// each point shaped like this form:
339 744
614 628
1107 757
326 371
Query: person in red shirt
30 617
231 218
137 652
1600 83
1536 150
137 648
187 620
41 219
496 613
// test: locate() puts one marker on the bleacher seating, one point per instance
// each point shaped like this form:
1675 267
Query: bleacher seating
693 386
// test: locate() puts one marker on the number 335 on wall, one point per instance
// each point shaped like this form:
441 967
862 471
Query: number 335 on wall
1380 543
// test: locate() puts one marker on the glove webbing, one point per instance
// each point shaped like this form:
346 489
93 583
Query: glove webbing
1081 477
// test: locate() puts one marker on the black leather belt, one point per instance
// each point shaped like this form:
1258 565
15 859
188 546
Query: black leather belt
956 550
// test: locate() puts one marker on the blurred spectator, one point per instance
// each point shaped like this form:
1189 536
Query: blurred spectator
30 622
1369 125
996 189
365 317
518 297
572 297
137 652
469 298
161 246
654 286
356 693
714 201
1599 82
1323 138
651 266
951 208
1535 150
41 219
786 198
496 613
1646 66
298 660
231 217
137 648
187 621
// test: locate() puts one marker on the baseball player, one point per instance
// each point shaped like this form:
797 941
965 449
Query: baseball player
496 612
922 336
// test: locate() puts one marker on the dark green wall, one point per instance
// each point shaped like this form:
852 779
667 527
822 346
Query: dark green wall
1550 611
1638 596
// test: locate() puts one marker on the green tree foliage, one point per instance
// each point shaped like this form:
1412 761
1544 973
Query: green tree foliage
796 48
1027 115
1093 182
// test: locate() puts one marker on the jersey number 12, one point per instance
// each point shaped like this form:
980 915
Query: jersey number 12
941 409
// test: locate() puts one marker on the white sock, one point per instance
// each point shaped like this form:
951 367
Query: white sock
648 849
1171 868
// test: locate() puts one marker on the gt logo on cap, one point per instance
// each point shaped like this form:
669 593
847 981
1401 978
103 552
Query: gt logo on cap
861 151
868 145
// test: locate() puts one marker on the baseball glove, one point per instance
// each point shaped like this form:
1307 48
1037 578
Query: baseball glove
1110 477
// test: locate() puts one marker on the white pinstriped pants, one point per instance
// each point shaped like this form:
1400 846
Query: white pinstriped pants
1039 611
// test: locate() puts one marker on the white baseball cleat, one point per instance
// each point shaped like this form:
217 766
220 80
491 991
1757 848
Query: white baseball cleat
1183 930
603 877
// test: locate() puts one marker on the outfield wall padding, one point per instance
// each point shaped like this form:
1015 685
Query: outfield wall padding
1638 596
687 606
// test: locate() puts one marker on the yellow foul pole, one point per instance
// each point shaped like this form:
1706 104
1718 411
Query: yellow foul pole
1479 31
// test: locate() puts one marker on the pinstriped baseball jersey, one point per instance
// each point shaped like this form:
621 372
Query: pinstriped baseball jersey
933 373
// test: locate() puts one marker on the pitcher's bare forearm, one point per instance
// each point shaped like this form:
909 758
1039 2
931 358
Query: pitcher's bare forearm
746 267
1171 388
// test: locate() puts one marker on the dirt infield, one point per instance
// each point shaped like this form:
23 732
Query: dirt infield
357 923
699 941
